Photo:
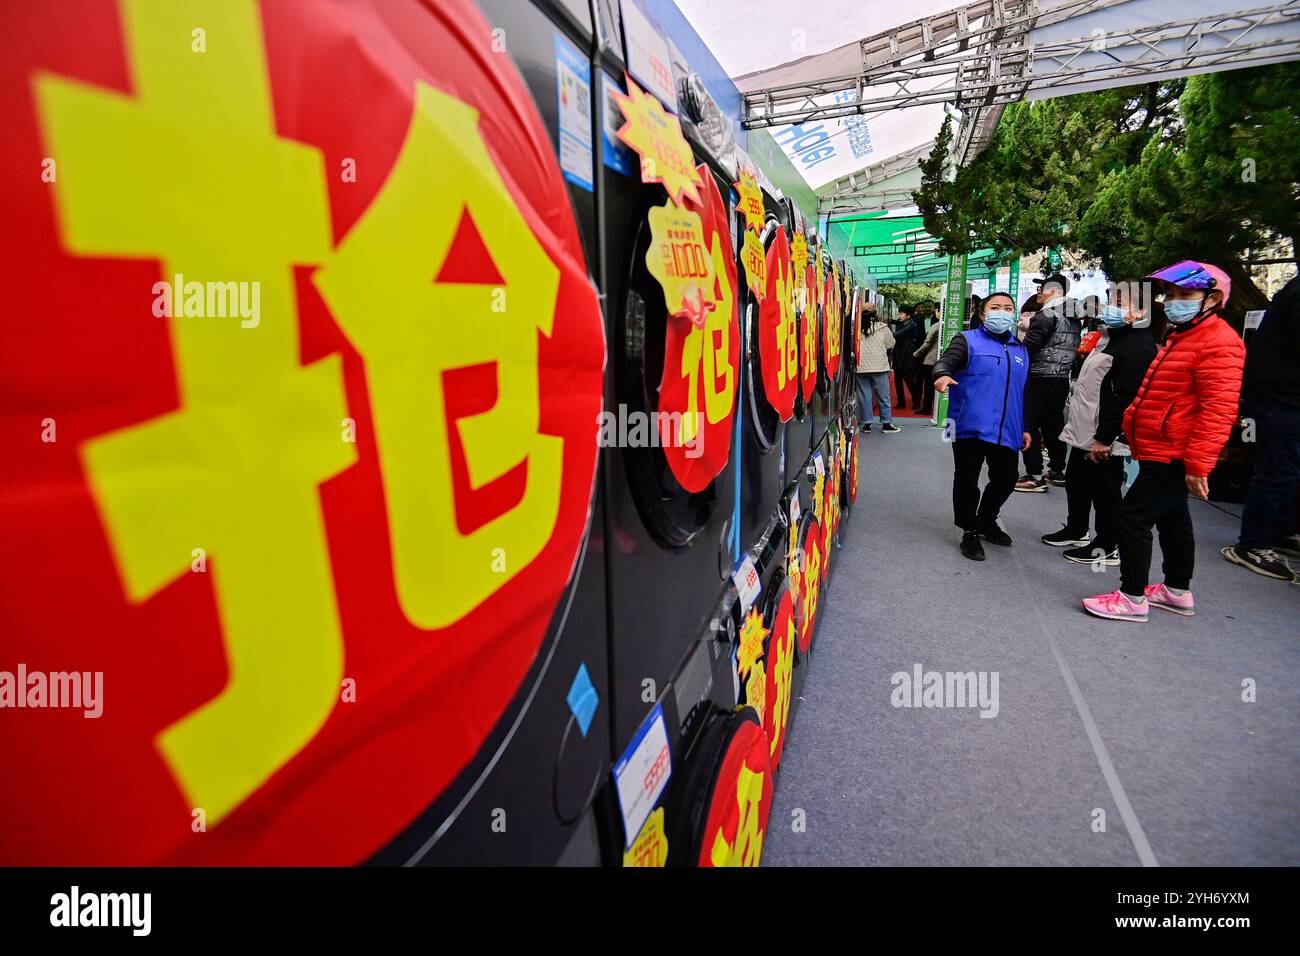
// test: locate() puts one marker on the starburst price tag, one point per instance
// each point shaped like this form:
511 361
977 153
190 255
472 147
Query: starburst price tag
756 690
754 260
750 204
752 636
651 845
679 260
799 256
656 135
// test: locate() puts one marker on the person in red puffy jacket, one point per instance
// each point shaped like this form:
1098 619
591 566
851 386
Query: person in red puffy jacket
1176 427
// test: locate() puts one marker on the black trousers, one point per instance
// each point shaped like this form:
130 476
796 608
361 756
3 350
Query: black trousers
927 389
970 509
903 381
1158 497
1093 485
1044 418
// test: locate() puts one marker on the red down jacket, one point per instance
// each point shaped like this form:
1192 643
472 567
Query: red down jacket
1187 404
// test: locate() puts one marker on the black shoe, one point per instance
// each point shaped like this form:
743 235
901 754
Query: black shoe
971 547
994 535
890 429
866 427
1065 538
1090 555
1290 546
1261 561
1056 478
1030 483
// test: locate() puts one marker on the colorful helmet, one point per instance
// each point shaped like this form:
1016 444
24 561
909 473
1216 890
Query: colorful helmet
1195 275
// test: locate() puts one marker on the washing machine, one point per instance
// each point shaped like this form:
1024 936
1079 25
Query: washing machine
528 794
672 545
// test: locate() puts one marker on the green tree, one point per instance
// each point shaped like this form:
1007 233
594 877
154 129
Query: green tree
1137 177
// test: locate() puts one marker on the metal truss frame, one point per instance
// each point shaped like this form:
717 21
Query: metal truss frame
979 57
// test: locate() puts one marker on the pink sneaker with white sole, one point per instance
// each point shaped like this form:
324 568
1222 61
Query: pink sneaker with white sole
1161 597
1116 606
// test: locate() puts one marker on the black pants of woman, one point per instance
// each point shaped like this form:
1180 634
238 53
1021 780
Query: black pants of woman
1094 486
1158 496
970 509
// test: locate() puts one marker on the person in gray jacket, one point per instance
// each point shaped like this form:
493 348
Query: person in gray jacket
874 344
1052 340
1108 381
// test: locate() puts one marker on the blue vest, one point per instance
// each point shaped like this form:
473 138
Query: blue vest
988 400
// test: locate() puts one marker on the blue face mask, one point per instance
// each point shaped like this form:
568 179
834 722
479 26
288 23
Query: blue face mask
998 322
1179 311
1115 317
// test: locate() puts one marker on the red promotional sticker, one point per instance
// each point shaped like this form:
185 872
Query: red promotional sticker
779 661
741 801
299 454
808 339
778 343
697 394
832 326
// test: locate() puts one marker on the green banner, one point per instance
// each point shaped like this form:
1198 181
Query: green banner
1013 280
954 320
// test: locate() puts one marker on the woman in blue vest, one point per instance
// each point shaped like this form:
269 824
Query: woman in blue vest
986 368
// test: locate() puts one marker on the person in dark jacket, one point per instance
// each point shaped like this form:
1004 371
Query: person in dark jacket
986 368
1052 340
907 336
1108 381
1183 413
1271 401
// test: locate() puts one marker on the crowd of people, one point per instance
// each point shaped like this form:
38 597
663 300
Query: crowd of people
1084 388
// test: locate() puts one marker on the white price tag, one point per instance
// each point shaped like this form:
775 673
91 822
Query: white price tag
819 464
642 773
747 583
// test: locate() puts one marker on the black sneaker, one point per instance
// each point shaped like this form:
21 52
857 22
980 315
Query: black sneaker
1290 546
1030 483
1261 561
1090 555
1057 478
1065 538
995 535
890 428
866 426
971 547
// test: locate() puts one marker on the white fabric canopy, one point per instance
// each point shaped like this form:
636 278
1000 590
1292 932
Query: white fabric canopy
773 44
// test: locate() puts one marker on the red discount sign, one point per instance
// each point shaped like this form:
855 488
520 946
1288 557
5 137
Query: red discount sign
778 342
833 326
313 542
779 662
808 339
697 394
741 800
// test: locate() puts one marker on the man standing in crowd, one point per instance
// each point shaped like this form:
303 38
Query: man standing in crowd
906 339
874 343
1052 340
1176 427
926 355
1271 400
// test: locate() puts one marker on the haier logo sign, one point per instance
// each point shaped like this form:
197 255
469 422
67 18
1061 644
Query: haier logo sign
810 145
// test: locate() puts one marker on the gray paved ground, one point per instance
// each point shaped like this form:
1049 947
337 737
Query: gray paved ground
1154 723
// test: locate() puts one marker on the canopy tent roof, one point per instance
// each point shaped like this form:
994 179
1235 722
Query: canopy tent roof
855 93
